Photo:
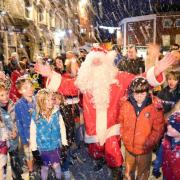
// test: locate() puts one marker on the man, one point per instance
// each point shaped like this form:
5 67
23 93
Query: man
82 55
71 58
102 86
132 63
12 64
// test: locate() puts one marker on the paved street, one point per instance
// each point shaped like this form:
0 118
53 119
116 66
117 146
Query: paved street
82 169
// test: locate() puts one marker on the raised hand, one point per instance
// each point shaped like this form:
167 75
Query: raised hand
164 63
43 69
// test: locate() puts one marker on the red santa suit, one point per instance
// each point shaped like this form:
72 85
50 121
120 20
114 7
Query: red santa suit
102 128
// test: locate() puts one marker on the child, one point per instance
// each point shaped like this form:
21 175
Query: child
171 148
7 115
142 125
23 111
171 93
48 132
173 119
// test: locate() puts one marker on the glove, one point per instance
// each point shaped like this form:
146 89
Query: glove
156 173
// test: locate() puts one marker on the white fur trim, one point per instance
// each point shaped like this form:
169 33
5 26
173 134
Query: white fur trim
112 131
101 123
33 144
63 131
55 81
74 100
152 79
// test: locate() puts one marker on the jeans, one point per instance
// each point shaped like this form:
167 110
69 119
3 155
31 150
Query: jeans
158 160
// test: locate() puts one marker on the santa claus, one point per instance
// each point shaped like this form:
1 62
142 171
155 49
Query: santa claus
102 86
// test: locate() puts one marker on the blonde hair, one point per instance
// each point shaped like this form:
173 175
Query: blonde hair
41 103
3 87
59 97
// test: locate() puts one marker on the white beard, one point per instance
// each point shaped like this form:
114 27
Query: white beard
97 79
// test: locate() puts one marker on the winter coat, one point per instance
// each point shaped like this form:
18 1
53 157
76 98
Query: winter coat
136 66
169 98
8 117
47 136
104 120
140 129
23 112
171 159
13 93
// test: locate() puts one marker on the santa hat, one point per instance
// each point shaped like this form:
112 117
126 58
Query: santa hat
174 120
98 48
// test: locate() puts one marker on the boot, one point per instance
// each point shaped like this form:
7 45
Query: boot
117 173
15 166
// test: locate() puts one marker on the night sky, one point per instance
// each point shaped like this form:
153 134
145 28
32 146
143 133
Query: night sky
111 12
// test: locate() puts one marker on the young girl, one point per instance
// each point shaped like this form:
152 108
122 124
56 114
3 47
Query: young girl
47 133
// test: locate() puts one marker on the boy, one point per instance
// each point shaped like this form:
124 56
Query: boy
23 109
142 125
171 93
7 116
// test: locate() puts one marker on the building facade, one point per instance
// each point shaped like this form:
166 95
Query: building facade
163 29
37 27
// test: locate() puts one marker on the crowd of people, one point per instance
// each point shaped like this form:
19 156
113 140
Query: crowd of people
98 100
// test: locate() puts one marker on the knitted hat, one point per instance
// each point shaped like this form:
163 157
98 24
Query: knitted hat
138 85
174 120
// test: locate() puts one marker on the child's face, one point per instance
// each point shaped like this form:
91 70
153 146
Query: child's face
4 97
140 97
172 132
59 63
57 100
27 89
172 83
49 101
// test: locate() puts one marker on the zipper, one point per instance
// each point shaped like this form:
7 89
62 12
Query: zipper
134 133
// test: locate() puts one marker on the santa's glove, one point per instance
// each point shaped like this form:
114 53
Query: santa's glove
156 173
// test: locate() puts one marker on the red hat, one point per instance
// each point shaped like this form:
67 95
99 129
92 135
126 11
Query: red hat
98 48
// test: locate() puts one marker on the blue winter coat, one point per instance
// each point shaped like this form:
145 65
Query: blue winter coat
23 112
48 134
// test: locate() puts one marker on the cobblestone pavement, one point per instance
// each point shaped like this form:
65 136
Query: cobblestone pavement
82 169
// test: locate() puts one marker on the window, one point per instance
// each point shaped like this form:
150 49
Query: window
167 23
50 44
177 22
40 14
166 40
28 8
51 19
177 39
41 44
130 39
130 27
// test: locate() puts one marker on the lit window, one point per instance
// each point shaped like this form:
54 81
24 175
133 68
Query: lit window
177 22
167 23
40 14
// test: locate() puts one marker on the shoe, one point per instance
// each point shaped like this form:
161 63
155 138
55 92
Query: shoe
99 164
67 175
31 176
